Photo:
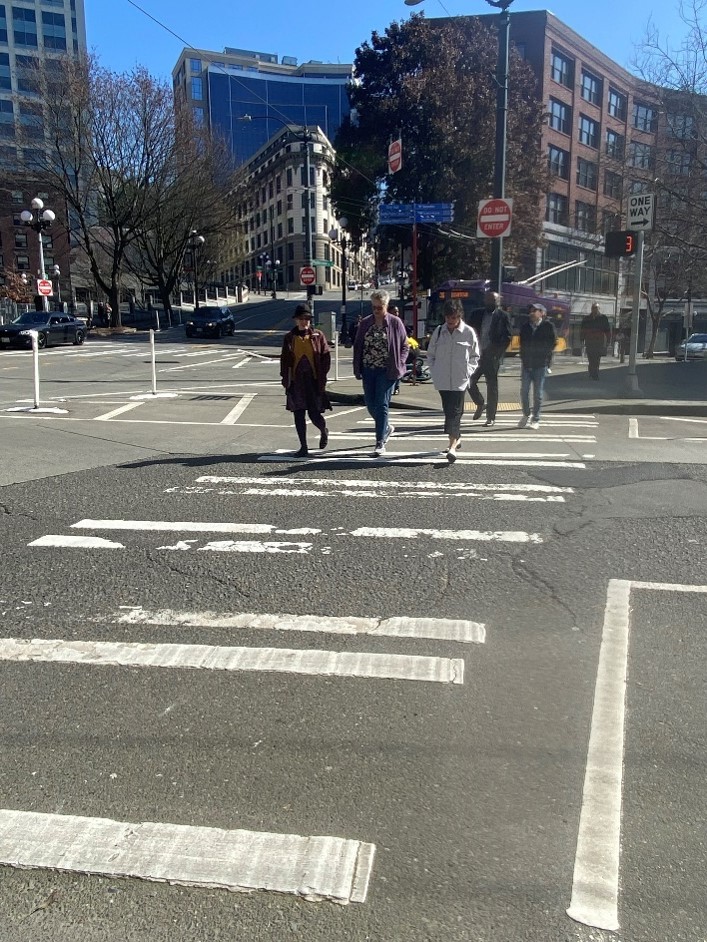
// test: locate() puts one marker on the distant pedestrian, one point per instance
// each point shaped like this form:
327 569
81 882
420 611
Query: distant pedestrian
304 365
537 341
493 328
595 334
394 311
624 339
452 356
380 351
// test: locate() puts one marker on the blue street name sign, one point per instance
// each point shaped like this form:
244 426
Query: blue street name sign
407 213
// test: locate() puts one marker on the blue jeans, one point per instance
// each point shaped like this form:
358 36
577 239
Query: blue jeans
377 390
536 376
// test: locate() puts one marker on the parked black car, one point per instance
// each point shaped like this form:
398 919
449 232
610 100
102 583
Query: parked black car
51 327
210 322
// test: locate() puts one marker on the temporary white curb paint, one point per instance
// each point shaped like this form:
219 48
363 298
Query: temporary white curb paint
595 886
238 410
439 629
208 657
394 485
503 536
187 526
315 868
84 542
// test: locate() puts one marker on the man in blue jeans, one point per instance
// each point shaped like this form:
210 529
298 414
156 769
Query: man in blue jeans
537 341
379 354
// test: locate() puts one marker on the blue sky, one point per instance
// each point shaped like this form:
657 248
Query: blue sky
329 30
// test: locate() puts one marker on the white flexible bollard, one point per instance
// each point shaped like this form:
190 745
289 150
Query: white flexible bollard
337 338
152 360
35 365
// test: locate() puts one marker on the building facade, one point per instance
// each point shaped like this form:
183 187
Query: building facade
246 97
34 34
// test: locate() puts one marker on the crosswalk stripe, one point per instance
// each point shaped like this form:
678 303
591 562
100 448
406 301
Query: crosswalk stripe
396 533
344 492
478 437
315 868
208 657
81 542
401 458
388 485
238 410
190 526
439 629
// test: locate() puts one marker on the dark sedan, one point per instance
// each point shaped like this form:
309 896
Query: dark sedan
51 328
210 322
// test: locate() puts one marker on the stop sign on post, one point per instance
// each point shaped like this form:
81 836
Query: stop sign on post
395 156
307 276
44 287
494 219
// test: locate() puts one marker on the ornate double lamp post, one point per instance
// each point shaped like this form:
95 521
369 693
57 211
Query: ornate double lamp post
196 243
38 219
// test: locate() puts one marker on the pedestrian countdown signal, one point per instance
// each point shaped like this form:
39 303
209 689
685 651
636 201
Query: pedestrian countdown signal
619 244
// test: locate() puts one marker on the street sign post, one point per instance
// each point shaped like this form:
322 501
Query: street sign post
44 287
494 218
639 216
395 156
307 276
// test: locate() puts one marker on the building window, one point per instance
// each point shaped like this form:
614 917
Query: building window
586 173
591 88
53 30
5 80
18 197
679 162
197 89
195 66
3 24
615 145
7 118
637 186
27 73
617 104
644 117
21 240
562 68
681 126
610 221
290 225
22 262
24 24
640 155
612 184
198 117
557 209
290 201
560 116
289 176
290 252
585 216
588 131
279 230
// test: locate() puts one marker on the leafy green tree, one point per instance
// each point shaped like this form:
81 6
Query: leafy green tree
433 83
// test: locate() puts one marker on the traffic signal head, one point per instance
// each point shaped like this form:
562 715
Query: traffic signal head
619 244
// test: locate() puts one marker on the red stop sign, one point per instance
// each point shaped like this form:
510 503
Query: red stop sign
494 219
307 276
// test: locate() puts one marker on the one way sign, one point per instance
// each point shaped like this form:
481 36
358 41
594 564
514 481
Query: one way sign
640 211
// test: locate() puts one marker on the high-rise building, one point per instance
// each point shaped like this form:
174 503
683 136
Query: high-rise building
33 35
248 97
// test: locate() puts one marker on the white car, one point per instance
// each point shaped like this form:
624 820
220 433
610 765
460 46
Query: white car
696 347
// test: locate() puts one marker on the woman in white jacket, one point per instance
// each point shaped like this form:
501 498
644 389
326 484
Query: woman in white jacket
452 356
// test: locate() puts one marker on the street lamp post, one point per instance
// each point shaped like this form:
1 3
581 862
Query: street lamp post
276 265
195 243
339 235
39 220
499 172
56 271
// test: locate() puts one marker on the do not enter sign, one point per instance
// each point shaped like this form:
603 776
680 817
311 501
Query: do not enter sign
307 276
494 219
44 287
395 156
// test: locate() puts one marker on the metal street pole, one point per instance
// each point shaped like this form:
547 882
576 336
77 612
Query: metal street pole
632 388
499 175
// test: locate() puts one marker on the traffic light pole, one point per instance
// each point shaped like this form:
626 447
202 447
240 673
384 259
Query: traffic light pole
631 388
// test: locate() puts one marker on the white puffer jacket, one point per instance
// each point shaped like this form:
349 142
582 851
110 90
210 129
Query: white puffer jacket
452 358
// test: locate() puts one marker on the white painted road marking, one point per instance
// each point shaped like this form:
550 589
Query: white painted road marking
238 410
109 415
83 542
315 868
387 485
207 657
595 886
439 629
186 526
402 458
396 533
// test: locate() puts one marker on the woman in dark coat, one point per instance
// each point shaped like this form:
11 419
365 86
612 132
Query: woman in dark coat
304 364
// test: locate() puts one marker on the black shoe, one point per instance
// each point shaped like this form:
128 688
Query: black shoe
302 453
324 439
489 422
479 411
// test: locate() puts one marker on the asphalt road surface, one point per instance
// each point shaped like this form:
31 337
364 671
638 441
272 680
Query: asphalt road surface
392 699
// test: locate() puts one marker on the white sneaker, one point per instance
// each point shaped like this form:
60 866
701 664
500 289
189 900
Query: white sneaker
391 429
379 450
534 423
523 421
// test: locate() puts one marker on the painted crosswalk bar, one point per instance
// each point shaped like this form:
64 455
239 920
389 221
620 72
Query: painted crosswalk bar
415 458
439 629
314 868
501 437
208 657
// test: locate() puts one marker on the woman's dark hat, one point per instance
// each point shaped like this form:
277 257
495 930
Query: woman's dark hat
303 310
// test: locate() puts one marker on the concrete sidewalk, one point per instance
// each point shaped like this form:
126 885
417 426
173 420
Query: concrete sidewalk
668 388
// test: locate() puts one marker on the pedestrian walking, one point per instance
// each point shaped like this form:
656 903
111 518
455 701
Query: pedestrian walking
493 328
304 365
537 341
453 356
624 339
394 311
379 354
595 334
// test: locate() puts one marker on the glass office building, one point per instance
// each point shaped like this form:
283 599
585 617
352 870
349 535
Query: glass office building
249 96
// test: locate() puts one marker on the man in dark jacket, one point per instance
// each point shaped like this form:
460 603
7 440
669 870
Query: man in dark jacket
493 328
537 341
595 334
